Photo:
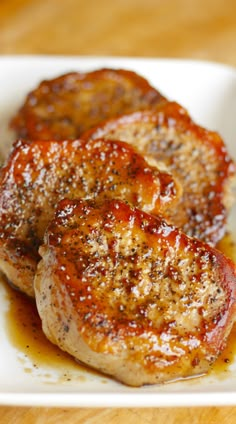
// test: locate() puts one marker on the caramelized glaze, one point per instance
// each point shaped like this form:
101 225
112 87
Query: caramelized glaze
132 296
39 174
24 330
66 106
197 157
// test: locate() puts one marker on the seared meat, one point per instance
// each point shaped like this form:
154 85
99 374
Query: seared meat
197 157
64 107
40 173
131 296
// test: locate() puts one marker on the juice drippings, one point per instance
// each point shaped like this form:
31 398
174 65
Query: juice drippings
227 246
24 330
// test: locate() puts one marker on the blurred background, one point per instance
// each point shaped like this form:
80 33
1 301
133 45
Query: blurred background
200 29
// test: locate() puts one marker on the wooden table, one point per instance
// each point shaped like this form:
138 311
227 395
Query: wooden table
201 29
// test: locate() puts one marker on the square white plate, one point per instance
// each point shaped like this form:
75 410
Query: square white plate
208 91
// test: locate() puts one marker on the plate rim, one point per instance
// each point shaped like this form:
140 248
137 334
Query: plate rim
132 398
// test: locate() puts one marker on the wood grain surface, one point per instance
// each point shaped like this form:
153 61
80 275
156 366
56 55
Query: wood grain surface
200 29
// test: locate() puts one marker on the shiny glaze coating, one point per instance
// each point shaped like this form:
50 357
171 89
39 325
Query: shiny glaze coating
40 173
131 296
64 107
197 157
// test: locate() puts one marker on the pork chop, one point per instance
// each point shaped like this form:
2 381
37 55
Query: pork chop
131 296
198 158
64 107
40 173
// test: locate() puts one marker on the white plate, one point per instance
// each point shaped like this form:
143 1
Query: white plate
208 91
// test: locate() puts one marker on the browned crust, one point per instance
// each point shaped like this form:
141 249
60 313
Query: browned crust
141 320
64 107
197 157
40 173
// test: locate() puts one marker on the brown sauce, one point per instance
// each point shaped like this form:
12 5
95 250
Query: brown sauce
23 327
227 357
228 246
24 330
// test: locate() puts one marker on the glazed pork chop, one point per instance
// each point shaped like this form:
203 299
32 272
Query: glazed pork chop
64 107
40 173
129 295
196 157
